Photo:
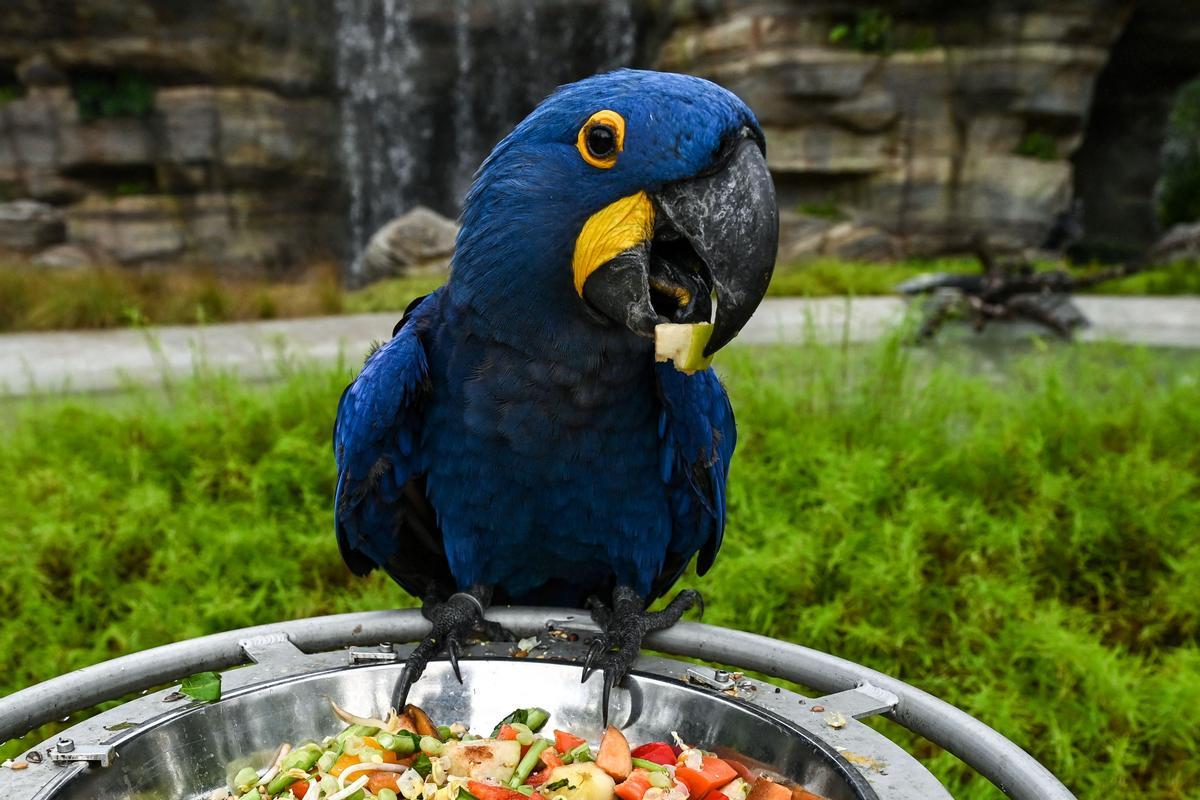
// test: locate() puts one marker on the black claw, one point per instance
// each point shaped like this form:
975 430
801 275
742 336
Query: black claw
451 620
626 623
606 693
453 650
400 696
598 647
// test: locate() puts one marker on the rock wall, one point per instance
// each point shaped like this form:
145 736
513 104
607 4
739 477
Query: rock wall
268 134
907 136
168 131
1117 167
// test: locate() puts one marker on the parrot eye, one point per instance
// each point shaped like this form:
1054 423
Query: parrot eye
601 139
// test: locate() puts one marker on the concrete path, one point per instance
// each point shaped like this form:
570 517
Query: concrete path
88 361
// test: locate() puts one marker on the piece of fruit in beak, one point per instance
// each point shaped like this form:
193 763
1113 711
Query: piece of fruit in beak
683 345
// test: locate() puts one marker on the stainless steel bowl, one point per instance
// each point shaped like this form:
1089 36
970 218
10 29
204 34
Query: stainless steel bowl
188 755
160 747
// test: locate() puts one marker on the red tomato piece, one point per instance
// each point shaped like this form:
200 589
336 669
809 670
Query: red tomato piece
658 752
486 791
566 742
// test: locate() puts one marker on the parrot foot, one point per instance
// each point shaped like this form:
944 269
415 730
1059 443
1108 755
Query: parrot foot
458 618
624 626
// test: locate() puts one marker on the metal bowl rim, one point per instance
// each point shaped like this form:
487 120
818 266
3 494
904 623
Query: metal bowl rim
844 768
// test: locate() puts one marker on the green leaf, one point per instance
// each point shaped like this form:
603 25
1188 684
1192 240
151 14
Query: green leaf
534 717
203 686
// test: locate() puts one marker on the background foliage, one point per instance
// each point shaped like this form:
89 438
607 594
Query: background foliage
1016 535
1179 188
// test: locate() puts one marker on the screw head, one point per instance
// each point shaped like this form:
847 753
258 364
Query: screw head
721 675
746 685
66 745
385 647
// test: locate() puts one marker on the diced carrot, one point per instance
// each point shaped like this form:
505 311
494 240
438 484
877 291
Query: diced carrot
713 772
486 791
742 770
388 756
633 787
507 732
613 756
299 789
566 742
382 780
767 789
346 760
658 752
550 758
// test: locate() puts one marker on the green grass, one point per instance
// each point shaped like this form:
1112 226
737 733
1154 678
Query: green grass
37 299
1018 538
1173 279
393 294
106 297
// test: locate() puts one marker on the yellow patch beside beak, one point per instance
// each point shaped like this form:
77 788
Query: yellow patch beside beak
611 231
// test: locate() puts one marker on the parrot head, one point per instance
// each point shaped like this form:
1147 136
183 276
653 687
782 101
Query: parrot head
624 200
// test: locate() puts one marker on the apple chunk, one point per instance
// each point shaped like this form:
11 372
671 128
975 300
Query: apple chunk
683 345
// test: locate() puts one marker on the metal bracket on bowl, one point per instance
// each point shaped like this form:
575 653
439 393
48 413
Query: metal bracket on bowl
581 626
722 680
270 647
383 653
65 750
860 702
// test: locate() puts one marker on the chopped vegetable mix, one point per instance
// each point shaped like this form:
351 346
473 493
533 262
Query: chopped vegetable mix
407 757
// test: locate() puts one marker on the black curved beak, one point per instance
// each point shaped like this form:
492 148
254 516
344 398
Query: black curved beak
715 236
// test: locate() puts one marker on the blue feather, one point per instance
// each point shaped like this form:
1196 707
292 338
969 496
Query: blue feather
504 436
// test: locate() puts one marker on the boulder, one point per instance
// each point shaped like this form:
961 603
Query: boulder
1180 243
29 225
420 240
65 256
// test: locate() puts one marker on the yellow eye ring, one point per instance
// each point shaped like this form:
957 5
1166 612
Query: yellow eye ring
601 139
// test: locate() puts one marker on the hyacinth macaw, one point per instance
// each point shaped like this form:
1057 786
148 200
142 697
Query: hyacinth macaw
515 440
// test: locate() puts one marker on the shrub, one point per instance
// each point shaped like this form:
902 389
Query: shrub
125 94
1179 188
869 32
1039 145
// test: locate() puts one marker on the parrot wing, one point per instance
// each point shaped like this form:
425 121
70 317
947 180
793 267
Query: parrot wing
383 517
697 436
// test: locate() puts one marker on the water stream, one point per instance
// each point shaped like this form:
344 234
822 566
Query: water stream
429 86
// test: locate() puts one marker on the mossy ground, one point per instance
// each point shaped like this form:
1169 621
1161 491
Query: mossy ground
1014 533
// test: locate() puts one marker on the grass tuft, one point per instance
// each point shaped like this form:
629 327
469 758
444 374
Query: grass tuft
1015 535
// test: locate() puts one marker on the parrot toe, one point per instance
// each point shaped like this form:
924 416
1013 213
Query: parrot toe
625 625
454 620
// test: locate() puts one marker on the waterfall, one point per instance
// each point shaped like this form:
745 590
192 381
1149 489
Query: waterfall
375 55
427 87
464 122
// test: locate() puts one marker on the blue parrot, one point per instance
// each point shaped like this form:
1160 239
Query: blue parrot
515 440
